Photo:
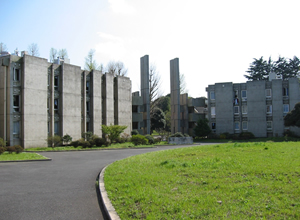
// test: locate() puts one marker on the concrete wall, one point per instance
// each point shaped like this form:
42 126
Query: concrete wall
70 101
34 102
96 102
108 99
123 102
277 108
145 93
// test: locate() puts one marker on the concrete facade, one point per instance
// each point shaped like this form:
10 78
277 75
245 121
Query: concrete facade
255 106
145 93
40 99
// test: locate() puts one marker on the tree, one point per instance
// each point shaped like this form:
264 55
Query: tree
33 50
293 118
158 120
2 47
182 84
63 53
53 54
66 138
116 68
259 70
90 62
113 132
202 129
287 68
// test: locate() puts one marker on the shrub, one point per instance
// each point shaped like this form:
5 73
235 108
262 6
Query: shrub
112 132
2 150
139 140
157 140
84 144
125 136
11 149
246 135
177 134
99 142
150 139
135 132
92 139
186 135
67 138
75 143
18 149
87 136
120 140
2 143
289 133
53 141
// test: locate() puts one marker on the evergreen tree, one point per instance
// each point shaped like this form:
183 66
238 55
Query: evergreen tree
202 129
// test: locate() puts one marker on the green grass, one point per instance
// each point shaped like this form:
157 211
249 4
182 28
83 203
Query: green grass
21 156
226 181
274 139
71 148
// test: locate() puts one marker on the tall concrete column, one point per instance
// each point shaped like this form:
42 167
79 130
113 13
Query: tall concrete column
145 93
175 95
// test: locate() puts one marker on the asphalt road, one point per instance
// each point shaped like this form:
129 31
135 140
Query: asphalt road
63 188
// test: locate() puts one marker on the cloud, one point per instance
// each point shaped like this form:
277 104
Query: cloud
121 7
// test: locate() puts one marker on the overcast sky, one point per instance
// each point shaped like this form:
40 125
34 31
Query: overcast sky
215 41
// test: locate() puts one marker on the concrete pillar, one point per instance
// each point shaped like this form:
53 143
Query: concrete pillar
108 99
175 95
145 93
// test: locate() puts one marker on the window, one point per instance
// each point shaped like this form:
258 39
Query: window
285 91
87 126
56 127
48 127
48 104
286 108
236 110
245 125
213 112
17 75
55 82
212 95
269 109
269 125
213 126
244 95
16 103
237 126
244 109
16 127
87 108
55 105
268 93
87 86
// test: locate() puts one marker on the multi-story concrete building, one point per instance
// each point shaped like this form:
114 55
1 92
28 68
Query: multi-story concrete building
255 106
40 99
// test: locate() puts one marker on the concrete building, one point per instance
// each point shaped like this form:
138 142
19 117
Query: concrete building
255 106
40 99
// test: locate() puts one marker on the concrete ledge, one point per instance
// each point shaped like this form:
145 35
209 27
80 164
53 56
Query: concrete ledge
180 140
109 209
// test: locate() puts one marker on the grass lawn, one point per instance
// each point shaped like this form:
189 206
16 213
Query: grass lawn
226 181
71 148
21 156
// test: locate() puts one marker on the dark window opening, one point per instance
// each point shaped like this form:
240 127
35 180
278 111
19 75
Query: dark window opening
16 103
56 82
213 125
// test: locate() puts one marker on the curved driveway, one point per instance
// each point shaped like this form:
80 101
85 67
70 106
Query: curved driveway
63 188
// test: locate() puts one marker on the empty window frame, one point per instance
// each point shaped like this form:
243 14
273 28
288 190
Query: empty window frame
244 109
268 93
56 82
87 108
16 127
269 109
213 112
245 125
236 110
87 88
56 127
269 125
87 126
17 75
244 95
56 107
212 95
213 126
237 125
16 103
285 91
286 108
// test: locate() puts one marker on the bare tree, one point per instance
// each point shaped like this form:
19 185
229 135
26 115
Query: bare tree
116 68
33 50
53 54
90 62
63 53
154 87
182 84
2 47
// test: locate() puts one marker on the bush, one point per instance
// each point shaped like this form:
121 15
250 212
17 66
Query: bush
53 141
113 132
139 140
177 134
186 135
157 140
84 144
18 149
125 136
67 138
87 136
246 135
92 139
289 133
134 132
120 140
99 142
75 143
2 143
2 150
11 149
150 139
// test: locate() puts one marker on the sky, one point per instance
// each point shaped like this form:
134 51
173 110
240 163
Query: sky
214 40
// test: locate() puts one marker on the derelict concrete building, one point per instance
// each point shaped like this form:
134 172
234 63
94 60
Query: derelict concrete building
40 99
255 106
